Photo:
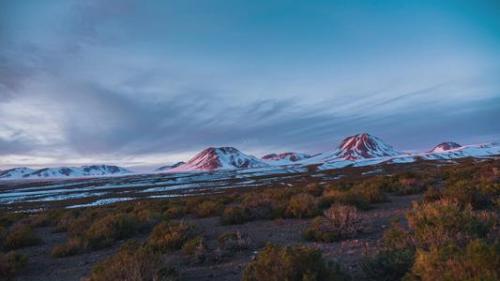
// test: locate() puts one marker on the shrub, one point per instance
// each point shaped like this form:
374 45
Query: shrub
432 194
10 264
388 265
314 189
195 249
467 192
72 247
207 208
338 222
440 222
478 261
235 215
133 263
111 228
170 236
277 263
175 211
8 219
332 196
396 238
371 192
302 205
19 236
264 206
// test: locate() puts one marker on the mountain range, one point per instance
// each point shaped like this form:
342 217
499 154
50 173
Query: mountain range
358 150
83 171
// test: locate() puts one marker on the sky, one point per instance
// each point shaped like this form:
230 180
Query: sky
145 83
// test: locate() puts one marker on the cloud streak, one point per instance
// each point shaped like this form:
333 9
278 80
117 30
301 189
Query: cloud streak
118 81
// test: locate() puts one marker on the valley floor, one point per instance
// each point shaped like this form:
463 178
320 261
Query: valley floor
42 267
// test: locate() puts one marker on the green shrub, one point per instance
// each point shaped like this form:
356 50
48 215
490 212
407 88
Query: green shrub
170 236
467 192
175 211
440 222
8 219
20 236
397 238
479 261
338 222
276 263
207 208
133 263
111 228
235 215
302 205
371 192
335 196
264 206
10 264
388 265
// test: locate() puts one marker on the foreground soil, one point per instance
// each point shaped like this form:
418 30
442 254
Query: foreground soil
42 267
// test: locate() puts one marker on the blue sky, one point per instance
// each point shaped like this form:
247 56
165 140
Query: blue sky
147 82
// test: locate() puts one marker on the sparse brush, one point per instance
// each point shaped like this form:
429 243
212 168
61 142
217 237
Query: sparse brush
19 236
133 262
338 222
10 264
170 236
275 263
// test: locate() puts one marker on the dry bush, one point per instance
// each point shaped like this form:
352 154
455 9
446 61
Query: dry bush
207 208
335 196
71 247
338 222
388 265
302 205
440 222
10 264
20 236
478 261
275 263
133 263
264 205
175 211
7 219
314 189
369 191
195 249
170 236
470 192
235 215
113 227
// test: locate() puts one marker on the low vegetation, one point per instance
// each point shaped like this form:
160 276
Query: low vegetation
450 232
10 264
338 222
133 262
276 263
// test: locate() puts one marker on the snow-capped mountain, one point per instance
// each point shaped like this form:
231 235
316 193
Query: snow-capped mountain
84 171
220 158
16 172
285 157
363 146
357 147
445 146
168 167
475 150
